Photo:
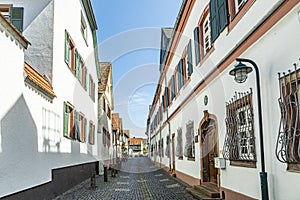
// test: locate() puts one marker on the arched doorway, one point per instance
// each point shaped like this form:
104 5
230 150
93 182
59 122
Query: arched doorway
209 149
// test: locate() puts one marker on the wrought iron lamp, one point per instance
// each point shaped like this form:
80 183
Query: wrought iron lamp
240 73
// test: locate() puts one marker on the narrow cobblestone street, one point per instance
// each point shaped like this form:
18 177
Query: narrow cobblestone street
138 179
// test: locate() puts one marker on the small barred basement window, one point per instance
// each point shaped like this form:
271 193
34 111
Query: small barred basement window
239 146
288 141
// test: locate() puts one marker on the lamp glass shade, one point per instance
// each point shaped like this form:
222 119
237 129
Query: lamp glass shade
240 76
240 72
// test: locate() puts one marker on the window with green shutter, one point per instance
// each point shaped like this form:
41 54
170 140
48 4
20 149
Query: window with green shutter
76 125
180 75
172 87
214 23
190 59
16 17
77 61
80 69
223 14
167 96
66 119
197 45
86 79
218 17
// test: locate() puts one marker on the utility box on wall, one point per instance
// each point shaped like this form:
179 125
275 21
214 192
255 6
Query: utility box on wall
220 163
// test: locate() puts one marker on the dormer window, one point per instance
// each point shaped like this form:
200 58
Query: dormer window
4 9
13 14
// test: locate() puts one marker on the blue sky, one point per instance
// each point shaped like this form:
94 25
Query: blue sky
129 37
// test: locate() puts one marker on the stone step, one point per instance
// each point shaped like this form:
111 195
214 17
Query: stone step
207 191
199 195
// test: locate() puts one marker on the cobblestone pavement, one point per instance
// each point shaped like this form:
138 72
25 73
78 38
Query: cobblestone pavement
138 179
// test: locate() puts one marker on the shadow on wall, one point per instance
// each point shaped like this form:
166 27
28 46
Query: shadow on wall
19 146
51 131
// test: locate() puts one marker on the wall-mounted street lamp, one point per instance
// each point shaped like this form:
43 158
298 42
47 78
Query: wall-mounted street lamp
240 73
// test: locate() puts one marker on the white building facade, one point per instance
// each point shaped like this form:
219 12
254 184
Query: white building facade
200 113
54 121
105 109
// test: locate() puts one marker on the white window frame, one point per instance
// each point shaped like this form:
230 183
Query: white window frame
206 34
239 4
83 27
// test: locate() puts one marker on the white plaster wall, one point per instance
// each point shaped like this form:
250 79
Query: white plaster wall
13 140
105 153
11 62
72 90
275 52
25 162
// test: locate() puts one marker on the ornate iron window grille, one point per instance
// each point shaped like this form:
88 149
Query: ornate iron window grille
288 140
189 148
239 142
179 149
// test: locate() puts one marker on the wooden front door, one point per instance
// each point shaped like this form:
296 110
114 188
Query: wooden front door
209 151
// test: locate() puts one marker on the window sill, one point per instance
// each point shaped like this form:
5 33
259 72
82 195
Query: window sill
186 82
294 168
191 158
238 163
204 57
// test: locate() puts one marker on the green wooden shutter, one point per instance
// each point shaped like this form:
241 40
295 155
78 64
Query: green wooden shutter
167 96
223 14
16 17
80 68
83 76
75 131
180 74
76 63
190 59
66 120
163 102
172 87
67 47
214 23
86 79
197 44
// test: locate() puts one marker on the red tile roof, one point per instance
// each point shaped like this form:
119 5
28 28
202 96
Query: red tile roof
105 71
38 80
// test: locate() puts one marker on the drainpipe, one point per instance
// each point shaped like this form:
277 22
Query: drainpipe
168 126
